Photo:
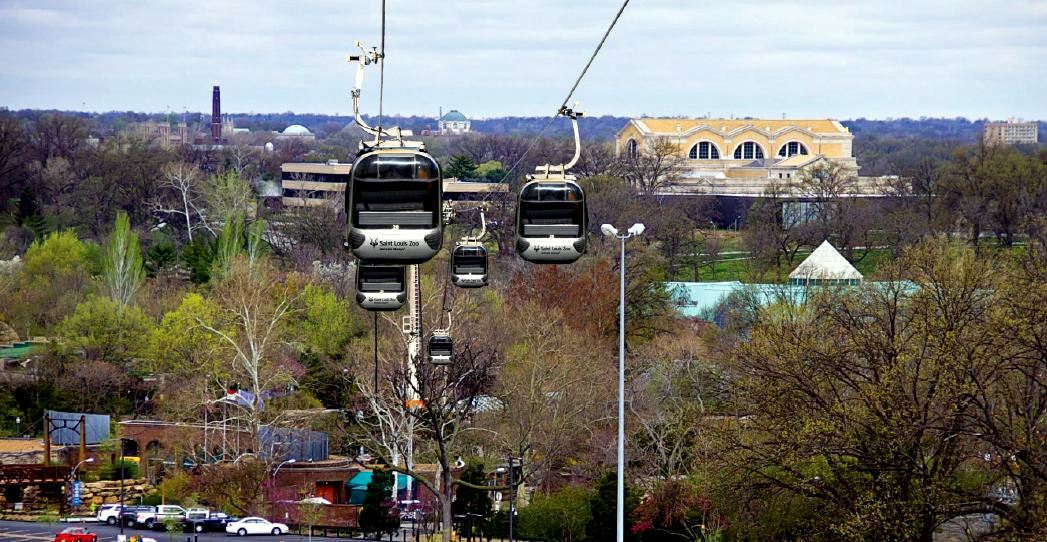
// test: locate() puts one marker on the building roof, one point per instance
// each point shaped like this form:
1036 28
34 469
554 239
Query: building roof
799 160
296 130
669 126
825 263
316 167
454 115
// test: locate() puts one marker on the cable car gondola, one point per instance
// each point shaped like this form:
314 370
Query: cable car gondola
441 346
394 206
381 287
551 213
551 222
469 266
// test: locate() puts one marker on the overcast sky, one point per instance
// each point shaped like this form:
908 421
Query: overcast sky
487 58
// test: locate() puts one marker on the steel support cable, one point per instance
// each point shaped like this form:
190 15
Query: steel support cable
376 352
571 93
381 72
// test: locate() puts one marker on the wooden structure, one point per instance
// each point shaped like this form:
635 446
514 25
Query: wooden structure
23 475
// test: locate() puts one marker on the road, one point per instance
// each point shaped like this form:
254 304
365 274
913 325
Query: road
20 531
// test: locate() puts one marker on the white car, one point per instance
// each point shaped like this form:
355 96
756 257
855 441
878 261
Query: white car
253 525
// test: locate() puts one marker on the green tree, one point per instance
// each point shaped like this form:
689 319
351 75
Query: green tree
182 346
29 214
603 507
491 170
201 255
472 506
562 516
107 330
379 514
228 195
55 276
324 332
326 326
160 257
462 167
122 267
859 399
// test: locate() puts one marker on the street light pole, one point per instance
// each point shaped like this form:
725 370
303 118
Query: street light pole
277 470
120 515
611 231
72 473
511 498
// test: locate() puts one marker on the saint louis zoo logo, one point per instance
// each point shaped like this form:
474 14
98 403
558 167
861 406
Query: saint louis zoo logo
393 245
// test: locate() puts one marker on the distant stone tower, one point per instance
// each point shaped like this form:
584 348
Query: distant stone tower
216 115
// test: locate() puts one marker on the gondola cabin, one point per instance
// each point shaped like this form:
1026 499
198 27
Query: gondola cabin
551 222
394 206
469 266
441 346
381 287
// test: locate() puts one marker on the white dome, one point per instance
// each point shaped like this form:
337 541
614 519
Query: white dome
296 130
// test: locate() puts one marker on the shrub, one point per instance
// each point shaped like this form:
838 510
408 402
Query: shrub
112 471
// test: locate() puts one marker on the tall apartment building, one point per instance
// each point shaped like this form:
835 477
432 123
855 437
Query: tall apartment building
313 184
1011 132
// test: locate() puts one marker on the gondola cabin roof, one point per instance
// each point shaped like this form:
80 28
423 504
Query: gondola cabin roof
552 191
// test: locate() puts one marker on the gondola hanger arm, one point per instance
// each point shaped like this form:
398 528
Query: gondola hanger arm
483 230
573 115
365 58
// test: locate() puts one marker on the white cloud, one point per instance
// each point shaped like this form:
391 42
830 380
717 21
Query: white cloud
842 58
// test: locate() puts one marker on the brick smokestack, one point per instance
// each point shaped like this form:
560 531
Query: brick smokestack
216 115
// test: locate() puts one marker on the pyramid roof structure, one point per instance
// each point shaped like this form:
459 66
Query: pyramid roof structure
825 264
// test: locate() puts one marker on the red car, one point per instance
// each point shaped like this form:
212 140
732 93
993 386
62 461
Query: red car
75 534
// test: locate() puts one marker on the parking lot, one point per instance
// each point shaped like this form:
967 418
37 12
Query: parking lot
16 531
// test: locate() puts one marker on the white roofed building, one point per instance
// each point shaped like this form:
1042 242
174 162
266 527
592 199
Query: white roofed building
454 123
296 131
825 266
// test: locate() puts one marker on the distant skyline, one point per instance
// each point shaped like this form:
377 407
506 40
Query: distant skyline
488 58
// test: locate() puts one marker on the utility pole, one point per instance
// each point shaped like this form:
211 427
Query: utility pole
120 516
413 332
512 507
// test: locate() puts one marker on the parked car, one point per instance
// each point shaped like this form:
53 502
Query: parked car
128 517
200 520
155 518
75 534
254 525
110 513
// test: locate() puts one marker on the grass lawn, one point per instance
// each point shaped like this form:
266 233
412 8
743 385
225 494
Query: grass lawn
740 268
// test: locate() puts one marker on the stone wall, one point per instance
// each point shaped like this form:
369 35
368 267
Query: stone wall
37 499
108 491
22 458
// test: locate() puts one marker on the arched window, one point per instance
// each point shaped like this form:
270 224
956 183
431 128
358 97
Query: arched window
704 150
792 148
630 148
748 151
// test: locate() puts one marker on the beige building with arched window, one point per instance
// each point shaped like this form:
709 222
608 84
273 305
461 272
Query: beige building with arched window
744 149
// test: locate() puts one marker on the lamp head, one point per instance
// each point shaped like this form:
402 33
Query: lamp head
609 230
636 229
89 460
289 461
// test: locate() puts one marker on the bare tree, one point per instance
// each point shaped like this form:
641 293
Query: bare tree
597 159
775 228
185 180
242 159
654 167
440 404
256 304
